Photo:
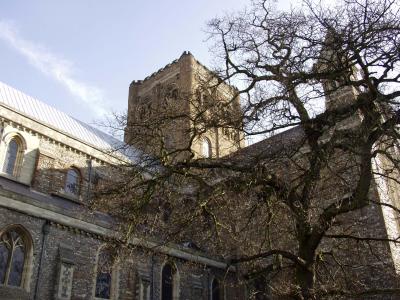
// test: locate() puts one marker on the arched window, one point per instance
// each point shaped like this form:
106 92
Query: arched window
12 159
104 274
207 101
168 282
171 95
14 249
215 290
206 149
72 182
174 94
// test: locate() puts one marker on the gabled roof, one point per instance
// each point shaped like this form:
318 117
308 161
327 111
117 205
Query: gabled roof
48 115
282 144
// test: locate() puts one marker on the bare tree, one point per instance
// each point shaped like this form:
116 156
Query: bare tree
302 213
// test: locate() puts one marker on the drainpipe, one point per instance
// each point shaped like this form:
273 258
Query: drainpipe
1 129
152 277
89 166
45 231
216 142
208 285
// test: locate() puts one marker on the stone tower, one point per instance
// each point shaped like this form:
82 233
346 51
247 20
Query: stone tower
183 109
337 93
333 59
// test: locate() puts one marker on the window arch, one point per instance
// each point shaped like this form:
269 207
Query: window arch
15 253
72 182
13 156
206 149
104 274
169 282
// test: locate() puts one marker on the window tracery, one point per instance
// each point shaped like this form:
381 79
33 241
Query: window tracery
14 249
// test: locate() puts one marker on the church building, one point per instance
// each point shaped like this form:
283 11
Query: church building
53 246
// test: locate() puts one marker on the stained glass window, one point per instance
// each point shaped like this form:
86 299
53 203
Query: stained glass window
12 258
72 182
4 255
11 157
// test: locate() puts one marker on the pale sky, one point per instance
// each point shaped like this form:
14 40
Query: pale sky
81 55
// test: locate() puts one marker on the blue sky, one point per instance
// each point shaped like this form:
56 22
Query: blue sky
81 55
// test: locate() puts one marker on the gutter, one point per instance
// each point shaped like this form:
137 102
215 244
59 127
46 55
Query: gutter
89 183
45 231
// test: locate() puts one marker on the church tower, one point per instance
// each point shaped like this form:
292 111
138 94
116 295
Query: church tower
183 110
333 59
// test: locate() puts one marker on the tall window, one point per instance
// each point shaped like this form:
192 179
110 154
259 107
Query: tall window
215 290
103 276
13 254
206 148
72 182
11 159
167 282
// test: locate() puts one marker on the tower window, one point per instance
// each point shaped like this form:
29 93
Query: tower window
206 149
174 94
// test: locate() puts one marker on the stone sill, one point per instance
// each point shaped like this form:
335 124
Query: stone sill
13 178
13 293
69 197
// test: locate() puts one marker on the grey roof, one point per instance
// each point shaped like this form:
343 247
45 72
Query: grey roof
281 145
46 114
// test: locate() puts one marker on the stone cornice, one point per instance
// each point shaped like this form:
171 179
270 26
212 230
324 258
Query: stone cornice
87 228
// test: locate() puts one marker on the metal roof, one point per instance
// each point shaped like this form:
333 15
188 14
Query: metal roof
44 113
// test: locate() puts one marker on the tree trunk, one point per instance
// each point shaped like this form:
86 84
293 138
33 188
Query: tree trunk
305 275
306 279
261 288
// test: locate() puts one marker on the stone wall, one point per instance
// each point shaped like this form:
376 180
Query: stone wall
131 265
